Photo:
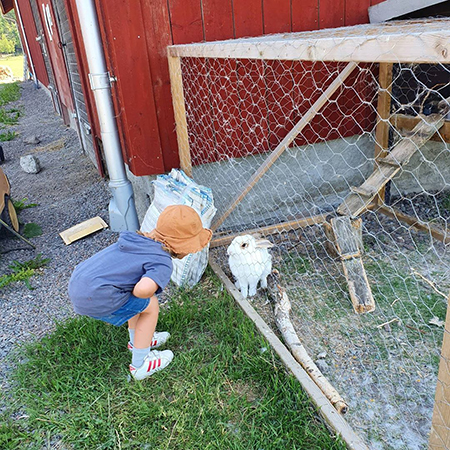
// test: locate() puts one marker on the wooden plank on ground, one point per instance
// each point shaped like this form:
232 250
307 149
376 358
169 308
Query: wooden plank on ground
323 405
358 200
437 233
83 229
440 422
348 244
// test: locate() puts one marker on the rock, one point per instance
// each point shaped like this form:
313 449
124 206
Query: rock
322 365
33 140
30 164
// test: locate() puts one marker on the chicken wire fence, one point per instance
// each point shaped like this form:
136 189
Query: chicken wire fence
344 167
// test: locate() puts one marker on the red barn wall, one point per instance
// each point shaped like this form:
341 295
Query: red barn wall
136 37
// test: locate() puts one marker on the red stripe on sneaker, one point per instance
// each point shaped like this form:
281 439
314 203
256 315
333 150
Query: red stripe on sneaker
159 362
149 366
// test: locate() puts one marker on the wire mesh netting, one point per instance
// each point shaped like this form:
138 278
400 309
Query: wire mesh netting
375 152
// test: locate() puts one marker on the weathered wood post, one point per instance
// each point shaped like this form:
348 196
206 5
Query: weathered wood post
440 424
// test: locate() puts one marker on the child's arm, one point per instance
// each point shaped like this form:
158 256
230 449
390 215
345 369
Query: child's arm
145 288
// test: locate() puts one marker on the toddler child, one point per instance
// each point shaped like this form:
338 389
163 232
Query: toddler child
120 283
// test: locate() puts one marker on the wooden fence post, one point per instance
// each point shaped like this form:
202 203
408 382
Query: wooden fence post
176 85
440 425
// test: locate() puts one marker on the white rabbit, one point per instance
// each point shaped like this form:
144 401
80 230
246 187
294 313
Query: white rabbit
250 262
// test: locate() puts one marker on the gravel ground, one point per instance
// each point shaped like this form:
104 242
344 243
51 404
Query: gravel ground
68 190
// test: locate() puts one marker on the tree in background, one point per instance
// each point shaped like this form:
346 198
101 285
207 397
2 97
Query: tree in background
9 35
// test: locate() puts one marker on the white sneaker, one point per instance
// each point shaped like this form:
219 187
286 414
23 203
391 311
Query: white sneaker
153 362
159 338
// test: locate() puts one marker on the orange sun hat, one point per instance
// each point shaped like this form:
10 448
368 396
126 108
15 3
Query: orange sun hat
180 229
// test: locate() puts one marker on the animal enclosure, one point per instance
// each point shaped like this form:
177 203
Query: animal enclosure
334 146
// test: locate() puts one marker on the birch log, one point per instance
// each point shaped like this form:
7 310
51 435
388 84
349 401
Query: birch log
284 324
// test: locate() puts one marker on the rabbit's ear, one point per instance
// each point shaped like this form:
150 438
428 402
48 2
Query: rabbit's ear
264 243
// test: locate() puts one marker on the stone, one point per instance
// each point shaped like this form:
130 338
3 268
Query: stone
322 366
33 140
30 164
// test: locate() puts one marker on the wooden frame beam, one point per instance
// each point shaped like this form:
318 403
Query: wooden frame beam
323 405
440 422
383 113
272 229
283 145
414 41
404 124
176 86
416 223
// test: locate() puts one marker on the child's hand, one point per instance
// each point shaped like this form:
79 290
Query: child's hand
145 288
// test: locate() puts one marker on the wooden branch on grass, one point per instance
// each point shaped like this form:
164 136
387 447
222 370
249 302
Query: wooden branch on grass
290 337
414 272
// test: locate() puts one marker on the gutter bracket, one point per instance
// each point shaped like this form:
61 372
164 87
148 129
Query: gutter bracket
100 81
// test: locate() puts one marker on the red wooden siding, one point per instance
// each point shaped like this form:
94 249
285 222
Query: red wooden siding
35 48
251 118
80 53
54 48
126 42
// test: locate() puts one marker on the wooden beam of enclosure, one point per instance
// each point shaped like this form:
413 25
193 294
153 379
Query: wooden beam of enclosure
437 233
412 41
383 113
440 422
283 145
404 124
176 86
272 229
323 405
360 197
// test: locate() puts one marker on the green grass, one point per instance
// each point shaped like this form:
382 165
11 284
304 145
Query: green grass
23 271
20 205
220 392
9 116
9 93
15 63
8 136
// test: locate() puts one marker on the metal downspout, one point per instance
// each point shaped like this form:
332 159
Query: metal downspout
19 15
122 210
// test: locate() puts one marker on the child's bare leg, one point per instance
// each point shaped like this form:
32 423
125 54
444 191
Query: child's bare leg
145 324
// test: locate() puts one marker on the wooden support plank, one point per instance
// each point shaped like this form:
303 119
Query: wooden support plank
383 113
272 229
356 203
416 41
176 85
404 124
283 145
348 243
440 422
437 233
323 405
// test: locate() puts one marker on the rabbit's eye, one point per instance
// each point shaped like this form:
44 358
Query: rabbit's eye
244 245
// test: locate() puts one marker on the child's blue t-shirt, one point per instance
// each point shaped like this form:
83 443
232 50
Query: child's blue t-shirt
103 283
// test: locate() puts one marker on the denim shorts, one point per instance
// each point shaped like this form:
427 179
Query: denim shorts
133 306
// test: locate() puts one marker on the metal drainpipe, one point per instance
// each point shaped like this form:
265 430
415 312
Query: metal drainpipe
122 210
19 16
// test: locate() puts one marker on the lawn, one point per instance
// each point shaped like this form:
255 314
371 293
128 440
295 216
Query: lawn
15 63
225 389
